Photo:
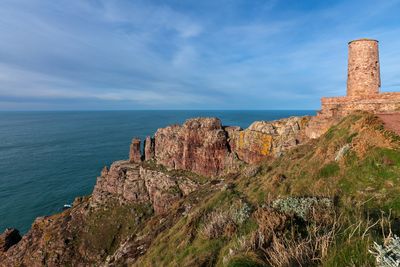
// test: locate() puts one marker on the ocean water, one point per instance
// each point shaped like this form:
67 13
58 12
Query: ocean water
49 158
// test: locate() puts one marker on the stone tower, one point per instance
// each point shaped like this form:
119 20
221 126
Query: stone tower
363 74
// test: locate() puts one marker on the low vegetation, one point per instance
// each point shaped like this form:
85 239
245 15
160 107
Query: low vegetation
330 202
334 201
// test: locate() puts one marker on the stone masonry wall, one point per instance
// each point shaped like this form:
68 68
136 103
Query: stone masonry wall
363 68
363 83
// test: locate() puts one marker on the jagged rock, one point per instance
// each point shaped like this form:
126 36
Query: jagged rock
135 155
318 125
48 242
199 145
104 172
9 238
163 190
149 148
123 182
203 146
52 240
231 129
131 183
264 138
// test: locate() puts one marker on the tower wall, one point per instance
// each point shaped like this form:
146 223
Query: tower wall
363 73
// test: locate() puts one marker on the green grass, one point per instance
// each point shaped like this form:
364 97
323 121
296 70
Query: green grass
245 261
363 183
352 253
329 170
108 226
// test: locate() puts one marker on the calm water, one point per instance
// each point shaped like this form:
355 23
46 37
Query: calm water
49 158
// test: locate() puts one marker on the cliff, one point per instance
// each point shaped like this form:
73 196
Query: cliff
204 194
205 147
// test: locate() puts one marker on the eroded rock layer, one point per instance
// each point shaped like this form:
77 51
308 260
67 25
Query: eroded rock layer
264 138
199 145
130 183
203 146
132 191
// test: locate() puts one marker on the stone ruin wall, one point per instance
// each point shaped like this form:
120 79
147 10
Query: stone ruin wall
363 84
342 106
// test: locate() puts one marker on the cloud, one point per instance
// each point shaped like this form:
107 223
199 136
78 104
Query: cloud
175 54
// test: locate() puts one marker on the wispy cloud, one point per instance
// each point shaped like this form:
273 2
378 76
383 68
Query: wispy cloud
120 54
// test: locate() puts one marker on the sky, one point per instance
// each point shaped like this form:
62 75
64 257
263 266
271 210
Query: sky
181 54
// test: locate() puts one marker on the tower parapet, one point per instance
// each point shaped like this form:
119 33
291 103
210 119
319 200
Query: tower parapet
363 73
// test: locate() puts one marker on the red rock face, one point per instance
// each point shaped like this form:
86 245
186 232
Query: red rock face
132 183
199 145
149 148
122 182
135 155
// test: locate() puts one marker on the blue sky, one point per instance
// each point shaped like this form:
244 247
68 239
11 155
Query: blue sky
181 54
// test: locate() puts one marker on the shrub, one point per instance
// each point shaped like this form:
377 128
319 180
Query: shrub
302 207
387 255
224 223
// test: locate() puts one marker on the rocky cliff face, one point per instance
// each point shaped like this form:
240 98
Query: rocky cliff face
204 146
86 233
129 183
133 191
264 138
199 145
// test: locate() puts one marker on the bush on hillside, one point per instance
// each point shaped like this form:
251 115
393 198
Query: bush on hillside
388 254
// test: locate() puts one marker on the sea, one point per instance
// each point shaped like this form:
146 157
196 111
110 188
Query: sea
48 158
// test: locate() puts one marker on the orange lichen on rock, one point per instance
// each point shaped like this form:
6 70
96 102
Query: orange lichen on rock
267 138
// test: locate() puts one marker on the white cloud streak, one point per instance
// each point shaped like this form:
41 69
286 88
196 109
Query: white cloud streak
141 54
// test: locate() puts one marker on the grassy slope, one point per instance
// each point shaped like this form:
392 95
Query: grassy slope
364 184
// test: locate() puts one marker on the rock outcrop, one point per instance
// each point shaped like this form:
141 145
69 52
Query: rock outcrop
133 191
149 148
199 145
204 146
9 238
48 242
264 138
129 183
65 239
135 156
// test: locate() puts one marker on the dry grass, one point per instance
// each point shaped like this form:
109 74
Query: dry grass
217 224
282 243
220 223
289 250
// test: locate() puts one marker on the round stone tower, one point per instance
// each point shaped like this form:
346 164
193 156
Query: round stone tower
363 74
